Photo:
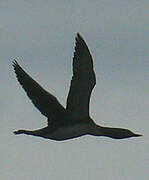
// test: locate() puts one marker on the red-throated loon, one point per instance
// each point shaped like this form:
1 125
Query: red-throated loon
74 120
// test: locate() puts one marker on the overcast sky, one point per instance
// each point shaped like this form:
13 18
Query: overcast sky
41 35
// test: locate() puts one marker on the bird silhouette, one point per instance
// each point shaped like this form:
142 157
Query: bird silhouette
74 120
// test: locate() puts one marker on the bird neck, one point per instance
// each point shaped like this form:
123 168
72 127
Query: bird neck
39 132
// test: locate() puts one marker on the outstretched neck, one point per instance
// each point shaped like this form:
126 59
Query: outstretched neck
40 132
21 131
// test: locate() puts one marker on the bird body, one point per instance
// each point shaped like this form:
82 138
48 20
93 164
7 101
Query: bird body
68 130
73 131
74 120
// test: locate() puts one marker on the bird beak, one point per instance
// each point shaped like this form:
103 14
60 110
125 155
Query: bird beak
137 135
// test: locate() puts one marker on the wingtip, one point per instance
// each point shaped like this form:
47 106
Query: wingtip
14 63
78 36
79 40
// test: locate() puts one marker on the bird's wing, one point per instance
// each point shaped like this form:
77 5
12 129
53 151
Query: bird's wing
83 81
46 103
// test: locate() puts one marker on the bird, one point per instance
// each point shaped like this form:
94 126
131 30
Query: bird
73 121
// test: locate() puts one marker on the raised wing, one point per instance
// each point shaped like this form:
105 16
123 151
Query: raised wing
83 81
45 102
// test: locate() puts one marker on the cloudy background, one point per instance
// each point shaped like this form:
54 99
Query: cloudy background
40 34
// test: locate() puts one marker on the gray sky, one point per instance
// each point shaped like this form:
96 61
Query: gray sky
40 34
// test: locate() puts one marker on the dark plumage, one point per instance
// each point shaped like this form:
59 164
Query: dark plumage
74 121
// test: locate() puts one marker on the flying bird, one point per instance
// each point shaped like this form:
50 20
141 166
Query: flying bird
74 120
